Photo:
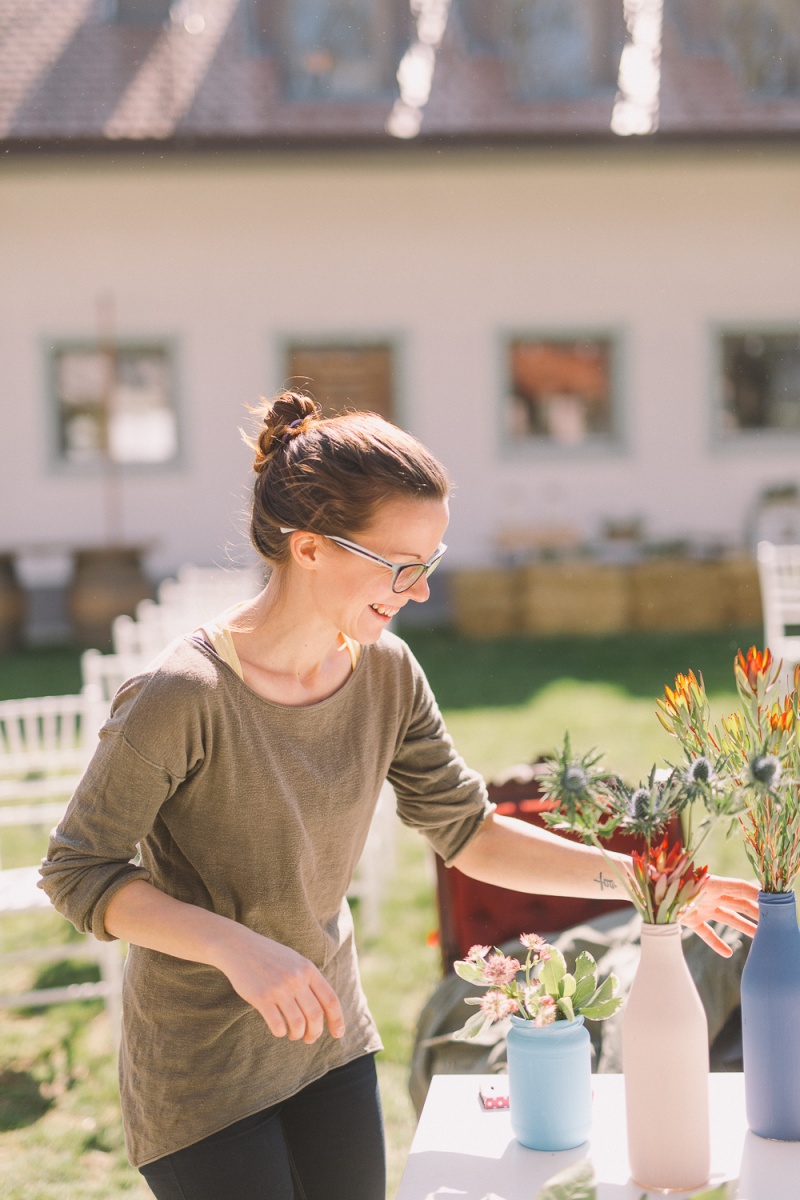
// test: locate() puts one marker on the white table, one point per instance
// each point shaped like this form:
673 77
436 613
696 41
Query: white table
461 1152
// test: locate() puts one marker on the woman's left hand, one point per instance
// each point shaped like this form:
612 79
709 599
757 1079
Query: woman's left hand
730 901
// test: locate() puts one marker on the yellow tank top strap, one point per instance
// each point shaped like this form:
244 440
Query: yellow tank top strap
353 649
220 639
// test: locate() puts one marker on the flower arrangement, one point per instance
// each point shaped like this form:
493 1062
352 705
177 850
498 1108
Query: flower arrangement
745 769
752 757
662 881
546 991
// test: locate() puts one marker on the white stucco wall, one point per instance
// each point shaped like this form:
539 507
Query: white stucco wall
444 253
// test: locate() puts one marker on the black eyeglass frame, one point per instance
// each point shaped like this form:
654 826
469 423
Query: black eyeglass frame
397 569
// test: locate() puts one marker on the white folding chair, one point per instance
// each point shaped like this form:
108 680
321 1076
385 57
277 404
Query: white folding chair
45 743
204 592
103 675
779 579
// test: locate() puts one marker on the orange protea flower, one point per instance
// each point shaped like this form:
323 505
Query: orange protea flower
781 720
667 881
687 690
684 712
756 672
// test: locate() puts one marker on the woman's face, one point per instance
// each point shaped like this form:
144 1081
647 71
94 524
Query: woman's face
356 593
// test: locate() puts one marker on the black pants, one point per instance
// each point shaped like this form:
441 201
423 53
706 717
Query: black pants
325 1143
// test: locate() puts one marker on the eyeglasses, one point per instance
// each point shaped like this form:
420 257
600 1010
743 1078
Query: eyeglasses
404 575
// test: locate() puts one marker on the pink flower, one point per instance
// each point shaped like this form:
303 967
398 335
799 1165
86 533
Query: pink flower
500 969
532 941
496 1005
476 953
546 1014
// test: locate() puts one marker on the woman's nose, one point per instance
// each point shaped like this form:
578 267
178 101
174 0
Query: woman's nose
420 591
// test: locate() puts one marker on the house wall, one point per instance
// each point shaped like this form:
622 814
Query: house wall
443 253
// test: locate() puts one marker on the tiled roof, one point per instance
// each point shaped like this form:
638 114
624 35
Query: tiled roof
70 73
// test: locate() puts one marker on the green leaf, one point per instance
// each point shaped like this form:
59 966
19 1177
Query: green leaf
603 1010
575 1182
723 1192
474 1026
585 965
469 972
606 991
565 1004
568 985
553 971
586 977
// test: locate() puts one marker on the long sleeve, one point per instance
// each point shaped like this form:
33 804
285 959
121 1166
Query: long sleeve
437 793
114 807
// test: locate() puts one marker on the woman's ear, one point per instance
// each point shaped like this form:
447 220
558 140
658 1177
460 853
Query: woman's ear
306 549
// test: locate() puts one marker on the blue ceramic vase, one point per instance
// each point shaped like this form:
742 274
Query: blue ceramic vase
550 1083
771 1020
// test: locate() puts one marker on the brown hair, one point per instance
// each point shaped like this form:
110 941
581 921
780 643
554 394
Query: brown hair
330 474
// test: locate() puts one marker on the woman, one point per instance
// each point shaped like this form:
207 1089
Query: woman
246 763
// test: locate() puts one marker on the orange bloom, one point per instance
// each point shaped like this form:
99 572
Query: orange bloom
686 690
781 719
756 666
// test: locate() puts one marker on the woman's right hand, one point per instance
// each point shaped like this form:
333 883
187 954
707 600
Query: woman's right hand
292 995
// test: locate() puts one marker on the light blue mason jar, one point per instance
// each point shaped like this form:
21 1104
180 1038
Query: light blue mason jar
550 1083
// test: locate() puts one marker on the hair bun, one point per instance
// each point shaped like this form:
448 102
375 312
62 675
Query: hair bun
283 418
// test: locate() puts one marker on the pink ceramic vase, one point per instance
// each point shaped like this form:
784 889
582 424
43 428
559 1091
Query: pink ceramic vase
665 1064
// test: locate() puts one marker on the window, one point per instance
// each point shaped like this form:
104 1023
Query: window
334 49
140 12
555 49
115 405
760 39
561 390
344 376
761 382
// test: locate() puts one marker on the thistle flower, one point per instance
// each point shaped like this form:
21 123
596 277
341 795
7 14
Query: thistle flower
532 941
579 791
765 771
575 778
640 804
700 771
647 809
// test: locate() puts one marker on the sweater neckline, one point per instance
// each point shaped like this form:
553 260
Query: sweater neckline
209 652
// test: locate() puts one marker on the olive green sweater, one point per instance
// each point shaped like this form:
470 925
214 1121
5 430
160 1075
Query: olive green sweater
259 812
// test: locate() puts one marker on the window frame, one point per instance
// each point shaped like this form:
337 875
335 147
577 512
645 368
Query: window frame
169 344
502 51
286 341
727 441
615 444
273 49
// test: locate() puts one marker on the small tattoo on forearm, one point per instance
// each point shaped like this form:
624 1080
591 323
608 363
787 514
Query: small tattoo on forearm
604 881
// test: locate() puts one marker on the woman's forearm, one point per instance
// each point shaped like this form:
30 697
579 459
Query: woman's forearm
526 858
289 991
144 916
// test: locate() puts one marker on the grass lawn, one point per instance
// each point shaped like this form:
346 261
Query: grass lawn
505 701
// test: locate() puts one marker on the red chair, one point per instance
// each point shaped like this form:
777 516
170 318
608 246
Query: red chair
471 912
